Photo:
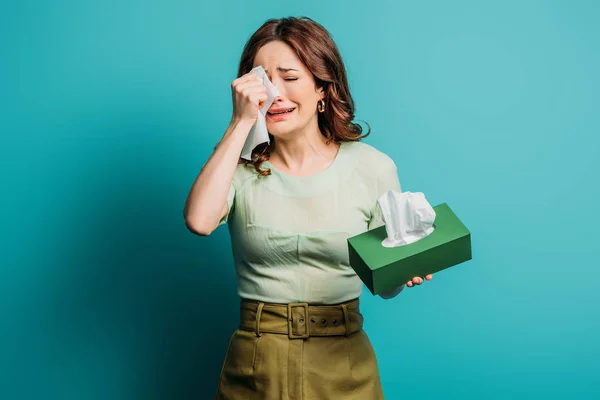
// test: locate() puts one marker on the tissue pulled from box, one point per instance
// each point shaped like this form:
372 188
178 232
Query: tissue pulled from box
407 216
259 134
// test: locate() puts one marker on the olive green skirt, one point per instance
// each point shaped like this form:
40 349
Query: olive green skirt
317 353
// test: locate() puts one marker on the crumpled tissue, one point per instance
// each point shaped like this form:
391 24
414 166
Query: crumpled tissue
259 134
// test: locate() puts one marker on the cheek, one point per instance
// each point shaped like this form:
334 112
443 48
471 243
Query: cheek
301 96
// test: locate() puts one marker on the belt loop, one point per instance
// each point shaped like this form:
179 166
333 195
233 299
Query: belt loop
346 319
258 316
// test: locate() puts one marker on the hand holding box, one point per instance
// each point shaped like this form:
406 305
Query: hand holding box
416 240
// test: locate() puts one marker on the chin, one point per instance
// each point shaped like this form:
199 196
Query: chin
281 131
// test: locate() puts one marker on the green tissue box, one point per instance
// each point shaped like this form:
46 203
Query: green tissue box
384 268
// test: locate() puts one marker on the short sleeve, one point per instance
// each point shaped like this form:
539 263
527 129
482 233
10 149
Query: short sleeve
230 202
387 180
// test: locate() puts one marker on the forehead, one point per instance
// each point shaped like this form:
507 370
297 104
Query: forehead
277 54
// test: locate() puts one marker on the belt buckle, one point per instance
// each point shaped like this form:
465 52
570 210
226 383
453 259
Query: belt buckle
291 334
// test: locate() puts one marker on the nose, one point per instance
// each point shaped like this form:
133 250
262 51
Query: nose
277 82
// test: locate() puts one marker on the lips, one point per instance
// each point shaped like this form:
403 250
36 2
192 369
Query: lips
280 111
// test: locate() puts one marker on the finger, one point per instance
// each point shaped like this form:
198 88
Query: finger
429 277
253 93
246 80
416 280
248 77
250 85
259 99
409 283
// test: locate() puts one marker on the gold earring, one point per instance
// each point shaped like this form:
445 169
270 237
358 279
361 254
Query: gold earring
321 106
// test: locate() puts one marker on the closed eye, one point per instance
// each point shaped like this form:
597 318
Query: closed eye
291 79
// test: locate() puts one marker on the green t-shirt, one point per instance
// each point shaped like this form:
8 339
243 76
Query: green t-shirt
289 234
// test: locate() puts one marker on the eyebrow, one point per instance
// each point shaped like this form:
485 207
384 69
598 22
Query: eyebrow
283 69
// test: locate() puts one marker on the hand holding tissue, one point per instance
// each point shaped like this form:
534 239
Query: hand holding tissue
258 133
415 241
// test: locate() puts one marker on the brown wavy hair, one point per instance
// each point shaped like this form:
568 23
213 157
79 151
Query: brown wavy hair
317 50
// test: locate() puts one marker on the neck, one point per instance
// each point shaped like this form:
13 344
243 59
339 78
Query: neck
299 150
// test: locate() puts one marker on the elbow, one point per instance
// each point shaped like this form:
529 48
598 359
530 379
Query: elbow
199 228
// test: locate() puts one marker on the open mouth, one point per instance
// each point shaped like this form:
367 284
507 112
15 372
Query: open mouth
281 112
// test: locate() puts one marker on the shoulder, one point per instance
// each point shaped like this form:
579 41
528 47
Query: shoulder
367 156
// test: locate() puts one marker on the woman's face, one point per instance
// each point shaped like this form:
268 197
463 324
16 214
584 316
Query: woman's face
298 96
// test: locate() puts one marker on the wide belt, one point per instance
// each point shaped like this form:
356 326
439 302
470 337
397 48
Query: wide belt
301 320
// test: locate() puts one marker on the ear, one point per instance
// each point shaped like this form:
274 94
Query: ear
321 93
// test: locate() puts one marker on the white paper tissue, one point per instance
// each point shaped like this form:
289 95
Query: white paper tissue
259 134
408 217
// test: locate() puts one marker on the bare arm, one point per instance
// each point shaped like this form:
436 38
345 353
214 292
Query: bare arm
206 203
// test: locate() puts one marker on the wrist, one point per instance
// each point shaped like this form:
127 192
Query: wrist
237 130
241 123
392 292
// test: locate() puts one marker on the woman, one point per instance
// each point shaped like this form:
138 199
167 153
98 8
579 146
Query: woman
290 211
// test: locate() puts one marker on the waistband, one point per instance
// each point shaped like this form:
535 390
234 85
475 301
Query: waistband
301 320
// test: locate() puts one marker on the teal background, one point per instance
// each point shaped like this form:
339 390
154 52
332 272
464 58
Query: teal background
109 109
